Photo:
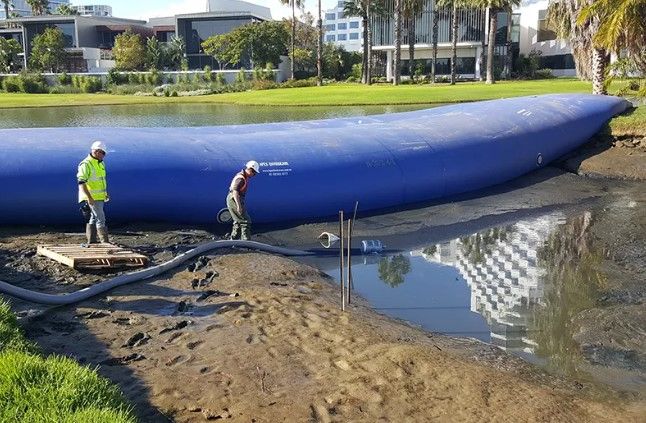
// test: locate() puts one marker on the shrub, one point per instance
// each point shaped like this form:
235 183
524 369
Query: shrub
10 84
32 83
133 78
64 79
298 83
241 77
128 89
91 84
208 74
544 74
351 79
116 78
174 94
64 89
356 71
153 77
220 79
263 84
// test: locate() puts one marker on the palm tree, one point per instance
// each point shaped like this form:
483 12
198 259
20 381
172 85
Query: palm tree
6 4
363 9
591 60
398 42
66 10
38 7
319 49
495 6
622 25
293 4
436 23
454 33
412 9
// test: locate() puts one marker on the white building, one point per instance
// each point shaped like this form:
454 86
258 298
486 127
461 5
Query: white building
527 33
346 31
503 275
534 36
93 10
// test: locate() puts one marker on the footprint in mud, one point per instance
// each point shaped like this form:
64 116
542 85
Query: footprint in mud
177 326
137 340
194 344
209 328
95 314
115 361
174 337
176 360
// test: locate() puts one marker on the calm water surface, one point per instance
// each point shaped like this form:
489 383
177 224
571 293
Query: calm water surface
516 286
154 115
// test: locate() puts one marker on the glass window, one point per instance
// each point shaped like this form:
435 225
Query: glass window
340 4
342 37
354 24
544 32
330 38
340 15
330 27
199 30
354 35
515 28
330 16
342 25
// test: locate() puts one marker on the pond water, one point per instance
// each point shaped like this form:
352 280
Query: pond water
171 115
516 285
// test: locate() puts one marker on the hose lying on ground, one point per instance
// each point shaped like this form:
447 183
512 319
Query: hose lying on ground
84 294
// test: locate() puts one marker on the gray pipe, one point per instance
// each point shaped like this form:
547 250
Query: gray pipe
84 294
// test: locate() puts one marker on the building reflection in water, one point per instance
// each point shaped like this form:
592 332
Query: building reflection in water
506 275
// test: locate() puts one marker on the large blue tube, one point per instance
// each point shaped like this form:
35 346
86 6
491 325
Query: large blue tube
308 169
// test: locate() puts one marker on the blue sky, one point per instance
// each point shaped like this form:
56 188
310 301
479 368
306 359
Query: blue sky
144 9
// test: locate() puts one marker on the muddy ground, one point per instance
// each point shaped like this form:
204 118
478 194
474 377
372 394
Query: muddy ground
254 337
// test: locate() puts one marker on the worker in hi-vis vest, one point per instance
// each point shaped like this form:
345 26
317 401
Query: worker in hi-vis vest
93 193
236 201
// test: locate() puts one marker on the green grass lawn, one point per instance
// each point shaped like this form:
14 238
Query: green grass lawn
34 388
330 95
346 95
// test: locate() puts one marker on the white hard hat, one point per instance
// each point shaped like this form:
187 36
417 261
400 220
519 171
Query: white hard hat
252 164
98 145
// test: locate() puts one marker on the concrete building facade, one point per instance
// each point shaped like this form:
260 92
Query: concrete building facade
524 31
342 30
102 10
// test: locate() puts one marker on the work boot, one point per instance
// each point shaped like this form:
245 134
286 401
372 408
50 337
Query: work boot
103 235
235 231
90 233
245 233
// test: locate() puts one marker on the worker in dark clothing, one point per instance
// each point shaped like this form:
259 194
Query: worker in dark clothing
236 201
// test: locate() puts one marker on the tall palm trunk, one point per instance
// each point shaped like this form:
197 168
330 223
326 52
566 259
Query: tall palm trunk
398 41
509 56
365 60
436 22
493 24
599 62
293 36
411 46
319 49
454 41
6 9
369 42
483 44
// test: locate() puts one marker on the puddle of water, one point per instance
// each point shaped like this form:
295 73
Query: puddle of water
516 286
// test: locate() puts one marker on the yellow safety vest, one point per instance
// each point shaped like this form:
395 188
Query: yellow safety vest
93 172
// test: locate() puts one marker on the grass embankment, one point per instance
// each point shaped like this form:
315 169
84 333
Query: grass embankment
52 389
631 124
329 95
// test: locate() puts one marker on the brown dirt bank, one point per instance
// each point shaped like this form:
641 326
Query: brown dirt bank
271 344
612 156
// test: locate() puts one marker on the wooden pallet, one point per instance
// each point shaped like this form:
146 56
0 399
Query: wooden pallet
93 256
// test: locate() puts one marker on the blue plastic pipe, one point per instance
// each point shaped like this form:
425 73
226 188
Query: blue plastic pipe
308 169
